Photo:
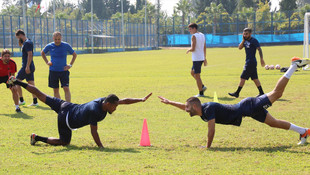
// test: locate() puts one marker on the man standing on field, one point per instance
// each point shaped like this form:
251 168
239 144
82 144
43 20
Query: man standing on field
28 68
198 49
7 69
59 69
251 45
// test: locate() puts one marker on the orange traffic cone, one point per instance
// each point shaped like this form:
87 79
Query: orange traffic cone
145 138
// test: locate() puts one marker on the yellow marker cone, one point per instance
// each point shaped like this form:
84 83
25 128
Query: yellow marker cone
215 99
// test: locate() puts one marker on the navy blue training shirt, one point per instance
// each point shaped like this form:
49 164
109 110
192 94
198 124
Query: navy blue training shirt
222 113
27 46
84 114
250 51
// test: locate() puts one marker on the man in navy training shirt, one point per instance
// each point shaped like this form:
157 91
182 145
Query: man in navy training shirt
72 116
250 69
59 69
254 107
28 68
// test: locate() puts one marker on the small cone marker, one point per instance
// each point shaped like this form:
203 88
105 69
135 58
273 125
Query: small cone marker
215 98
145 138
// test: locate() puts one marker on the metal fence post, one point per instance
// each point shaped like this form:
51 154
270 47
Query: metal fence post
34 35
11 32
47 31
3 33
254 24
41 31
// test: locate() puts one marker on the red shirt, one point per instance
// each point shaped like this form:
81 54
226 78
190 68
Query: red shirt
7 69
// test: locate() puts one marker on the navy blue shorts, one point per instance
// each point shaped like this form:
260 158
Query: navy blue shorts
54 78
249 71
4 80
21 75
57 105
197 66
255 107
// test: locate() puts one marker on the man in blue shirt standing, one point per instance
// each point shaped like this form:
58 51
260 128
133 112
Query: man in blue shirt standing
72 116
28 68
250 69
59 69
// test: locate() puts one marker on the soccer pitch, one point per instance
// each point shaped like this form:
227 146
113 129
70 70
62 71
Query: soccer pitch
253 148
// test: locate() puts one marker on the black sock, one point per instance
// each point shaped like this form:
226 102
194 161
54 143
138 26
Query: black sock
42 139
203 86
238 90
21 99
35 100
22 84
260 90
200 92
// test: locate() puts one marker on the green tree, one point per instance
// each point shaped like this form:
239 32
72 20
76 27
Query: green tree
200 5
184 7
229 5
287 5
215 12
247 4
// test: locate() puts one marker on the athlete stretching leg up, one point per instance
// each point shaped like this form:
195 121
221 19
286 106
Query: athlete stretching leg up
72 116
254 107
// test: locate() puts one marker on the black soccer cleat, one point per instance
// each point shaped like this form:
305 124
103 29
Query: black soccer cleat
234 94
32 139
18 110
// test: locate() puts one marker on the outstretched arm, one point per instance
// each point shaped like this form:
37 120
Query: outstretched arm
127 101
95 135
211 132
173 103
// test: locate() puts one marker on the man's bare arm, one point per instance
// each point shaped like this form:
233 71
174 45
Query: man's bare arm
192 49
173 103
127 101
211 132
95 135
260 51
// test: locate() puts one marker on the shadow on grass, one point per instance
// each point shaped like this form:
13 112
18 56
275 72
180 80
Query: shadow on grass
18 115
282 100
206 97
261 149
226 99
37 107
73 147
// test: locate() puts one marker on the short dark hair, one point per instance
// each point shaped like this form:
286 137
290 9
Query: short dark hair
247 30
193 25
112 98
5 51
194 100
20 32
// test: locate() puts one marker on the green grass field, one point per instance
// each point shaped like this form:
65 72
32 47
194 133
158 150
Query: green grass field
253 148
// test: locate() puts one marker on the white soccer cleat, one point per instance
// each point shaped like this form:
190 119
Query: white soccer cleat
303 137
300 62
34 104
11 80
199 95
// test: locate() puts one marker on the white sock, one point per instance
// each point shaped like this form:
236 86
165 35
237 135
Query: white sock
298 129
290 71
16 106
